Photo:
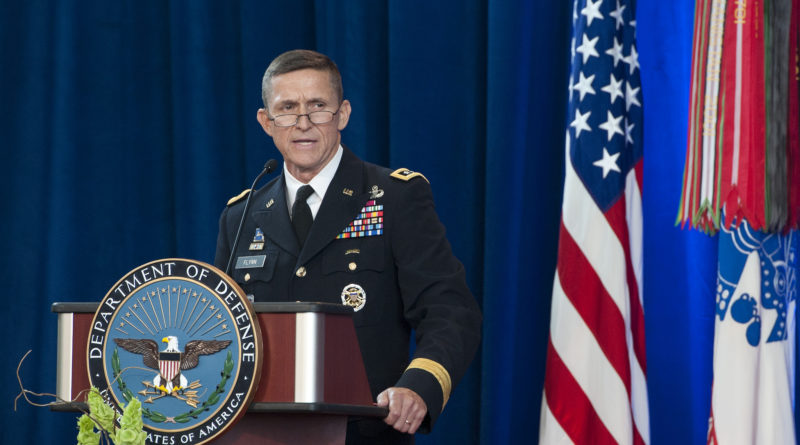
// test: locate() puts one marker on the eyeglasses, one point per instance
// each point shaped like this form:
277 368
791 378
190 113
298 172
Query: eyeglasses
315 117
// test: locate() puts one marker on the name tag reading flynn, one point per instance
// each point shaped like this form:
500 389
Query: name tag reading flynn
250 262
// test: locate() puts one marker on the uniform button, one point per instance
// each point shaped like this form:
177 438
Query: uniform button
247 277
301 272
352 266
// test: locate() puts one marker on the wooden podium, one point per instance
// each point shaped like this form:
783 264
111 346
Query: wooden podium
312 378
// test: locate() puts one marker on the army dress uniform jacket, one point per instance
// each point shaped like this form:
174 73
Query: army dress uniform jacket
402 263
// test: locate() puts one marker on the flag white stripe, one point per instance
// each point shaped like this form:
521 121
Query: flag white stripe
581 354
639 405
589 228
633 212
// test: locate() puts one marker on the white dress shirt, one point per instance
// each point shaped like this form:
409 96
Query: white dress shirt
319 183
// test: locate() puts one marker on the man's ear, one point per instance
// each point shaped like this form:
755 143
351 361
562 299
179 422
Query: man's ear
263 119
344 114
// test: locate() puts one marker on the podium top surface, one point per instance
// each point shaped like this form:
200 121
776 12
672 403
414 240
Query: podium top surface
282 307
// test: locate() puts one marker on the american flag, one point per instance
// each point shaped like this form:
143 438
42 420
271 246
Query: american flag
595 382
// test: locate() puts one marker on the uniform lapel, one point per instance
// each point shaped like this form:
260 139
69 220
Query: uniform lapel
343 200
274 220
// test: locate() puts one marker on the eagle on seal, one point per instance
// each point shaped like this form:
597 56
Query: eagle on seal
171 361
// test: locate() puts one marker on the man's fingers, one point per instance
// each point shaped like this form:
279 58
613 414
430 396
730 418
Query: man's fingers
383 399
406 409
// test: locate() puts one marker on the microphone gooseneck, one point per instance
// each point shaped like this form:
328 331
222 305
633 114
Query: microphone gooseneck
268 168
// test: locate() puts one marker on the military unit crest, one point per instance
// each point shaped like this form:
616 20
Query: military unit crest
258 240
180 336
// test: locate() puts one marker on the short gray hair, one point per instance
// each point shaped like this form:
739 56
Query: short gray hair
296 60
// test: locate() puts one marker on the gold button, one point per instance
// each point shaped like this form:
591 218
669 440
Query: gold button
352 266
301 272
247 277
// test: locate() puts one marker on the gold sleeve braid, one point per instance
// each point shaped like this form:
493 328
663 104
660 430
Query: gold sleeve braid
438 371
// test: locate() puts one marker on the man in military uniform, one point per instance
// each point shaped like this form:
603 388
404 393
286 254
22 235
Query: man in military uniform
334 228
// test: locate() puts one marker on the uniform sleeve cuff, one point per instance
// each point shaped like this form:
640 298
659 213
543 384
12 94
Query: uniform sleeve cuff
431 381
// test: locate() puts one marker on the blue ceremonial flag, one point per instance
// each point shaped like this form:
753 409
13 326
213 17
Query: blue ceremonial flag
753 396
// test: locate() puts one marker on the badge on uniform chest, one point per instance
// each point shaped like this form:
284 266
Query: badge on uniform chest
250 262
369 222
354 296
258 240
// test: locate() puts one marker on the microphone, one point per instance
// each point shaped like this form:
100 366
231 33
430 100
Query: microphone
268 168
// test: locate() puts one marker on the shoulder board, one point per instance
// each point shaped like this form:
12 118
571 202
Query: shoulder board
238 197
405 174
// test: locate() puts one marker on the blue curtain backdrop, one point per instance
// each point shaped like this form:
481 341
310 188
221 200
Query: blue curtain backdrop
126 125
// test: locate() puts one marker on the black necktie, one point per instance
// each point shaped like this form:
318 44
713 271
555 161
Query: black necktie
301 214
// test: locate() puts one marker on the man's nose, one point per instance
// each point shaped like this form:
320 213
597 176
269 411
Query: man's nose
303 121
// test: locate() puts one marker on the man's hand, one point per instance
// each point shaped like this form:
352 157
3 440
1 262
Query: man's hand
406 409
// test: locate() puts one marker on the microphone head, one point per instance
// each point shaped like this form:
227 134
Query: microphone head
270 165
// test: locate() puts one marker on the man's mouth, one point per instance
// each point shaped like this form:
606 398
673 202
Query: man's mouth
304 141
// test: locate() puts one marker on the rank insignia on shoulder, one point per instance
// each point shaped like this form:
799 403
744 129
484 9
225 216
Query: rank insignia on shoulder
369 222
405 174
238 197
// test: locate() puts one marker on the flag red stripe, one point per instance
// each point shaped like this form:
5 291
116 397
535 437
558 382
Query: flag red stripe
570 406
617 220
639 169
584 289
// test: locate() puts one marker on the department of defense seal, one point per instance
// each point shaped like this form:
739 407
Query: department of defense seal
183 338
